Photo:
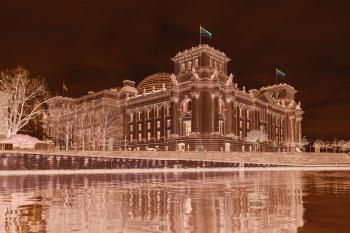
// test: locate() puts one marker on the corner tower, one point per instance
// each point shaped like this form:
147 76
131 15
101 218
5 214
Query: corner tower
202 56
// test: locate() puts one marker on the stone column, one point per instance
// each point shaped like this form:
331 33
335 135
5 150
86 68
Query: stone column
195 111
229 115
215 112
175 126
300 132
234 118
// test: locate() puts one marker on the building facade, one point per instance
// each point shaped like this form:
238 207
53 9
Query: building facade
199 107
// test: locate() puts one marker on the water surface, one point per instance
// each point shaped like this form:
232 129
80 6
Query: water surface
254 201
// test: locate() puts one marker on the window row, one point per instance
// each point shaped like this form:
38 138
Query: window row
148 136
148 125
148 114
189 64
241 113
216 64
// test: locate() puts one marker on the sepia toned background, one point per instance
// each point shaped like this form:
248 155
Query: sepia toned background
94 46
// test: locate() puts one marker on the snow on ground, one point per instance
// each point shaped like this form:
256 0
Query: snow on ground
21 141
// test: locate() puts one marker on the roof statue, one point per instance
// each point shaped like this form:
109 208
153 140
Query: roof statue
230 79
194 73
174 80
215 74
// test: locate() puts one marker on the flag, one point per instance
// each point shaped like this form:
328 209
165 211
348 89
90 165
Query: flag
64 87
280 73
204 32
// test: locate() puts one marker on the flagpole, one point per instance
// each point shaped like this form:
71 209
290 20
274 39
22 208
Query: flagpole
200 37
276 76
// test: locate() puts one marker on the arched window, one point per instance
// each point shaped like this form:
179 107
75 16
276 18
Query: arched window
196 63
186 128
189 65
182 67
221 106
187 105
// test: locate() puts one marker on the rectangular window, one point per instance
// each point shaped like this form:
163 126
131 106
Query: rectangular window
148 114
139 137
248 125
158 124
131 117
196 63
139 126
131 137
168 123
276 130
157 112
168 111
186 128
221 127
241 134
248 114
131 128
148 136
139 116
148 125
240 112
241 124
158 135
168 132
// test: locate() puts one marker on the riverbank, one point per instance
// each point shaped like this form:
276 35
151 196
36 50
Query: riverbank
65 160
168 170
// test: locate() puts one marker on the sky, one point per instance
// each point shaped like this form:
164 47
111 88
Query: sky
93 45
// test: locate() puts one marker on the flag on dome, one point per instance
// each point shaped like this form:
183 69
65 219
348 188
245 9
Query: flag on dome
204 32
280 73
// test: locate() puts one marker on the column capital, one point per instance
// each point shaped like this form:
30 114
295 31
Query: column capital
215 94
174 99
194 94
230 99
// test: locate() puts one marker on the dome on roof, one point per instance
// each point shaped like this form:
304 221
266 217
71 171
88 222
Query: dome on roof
155 80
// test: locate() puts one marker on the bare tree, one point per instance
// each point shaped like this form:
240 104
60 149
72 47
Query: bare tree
107 121
27 95
63 121
341 144
92 129
81 125
256 137
304 142
346 146
318 145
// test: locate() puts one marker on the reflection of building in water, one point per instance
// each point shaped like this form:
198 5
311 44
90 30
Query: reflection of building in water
200 202
269 202
21 215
